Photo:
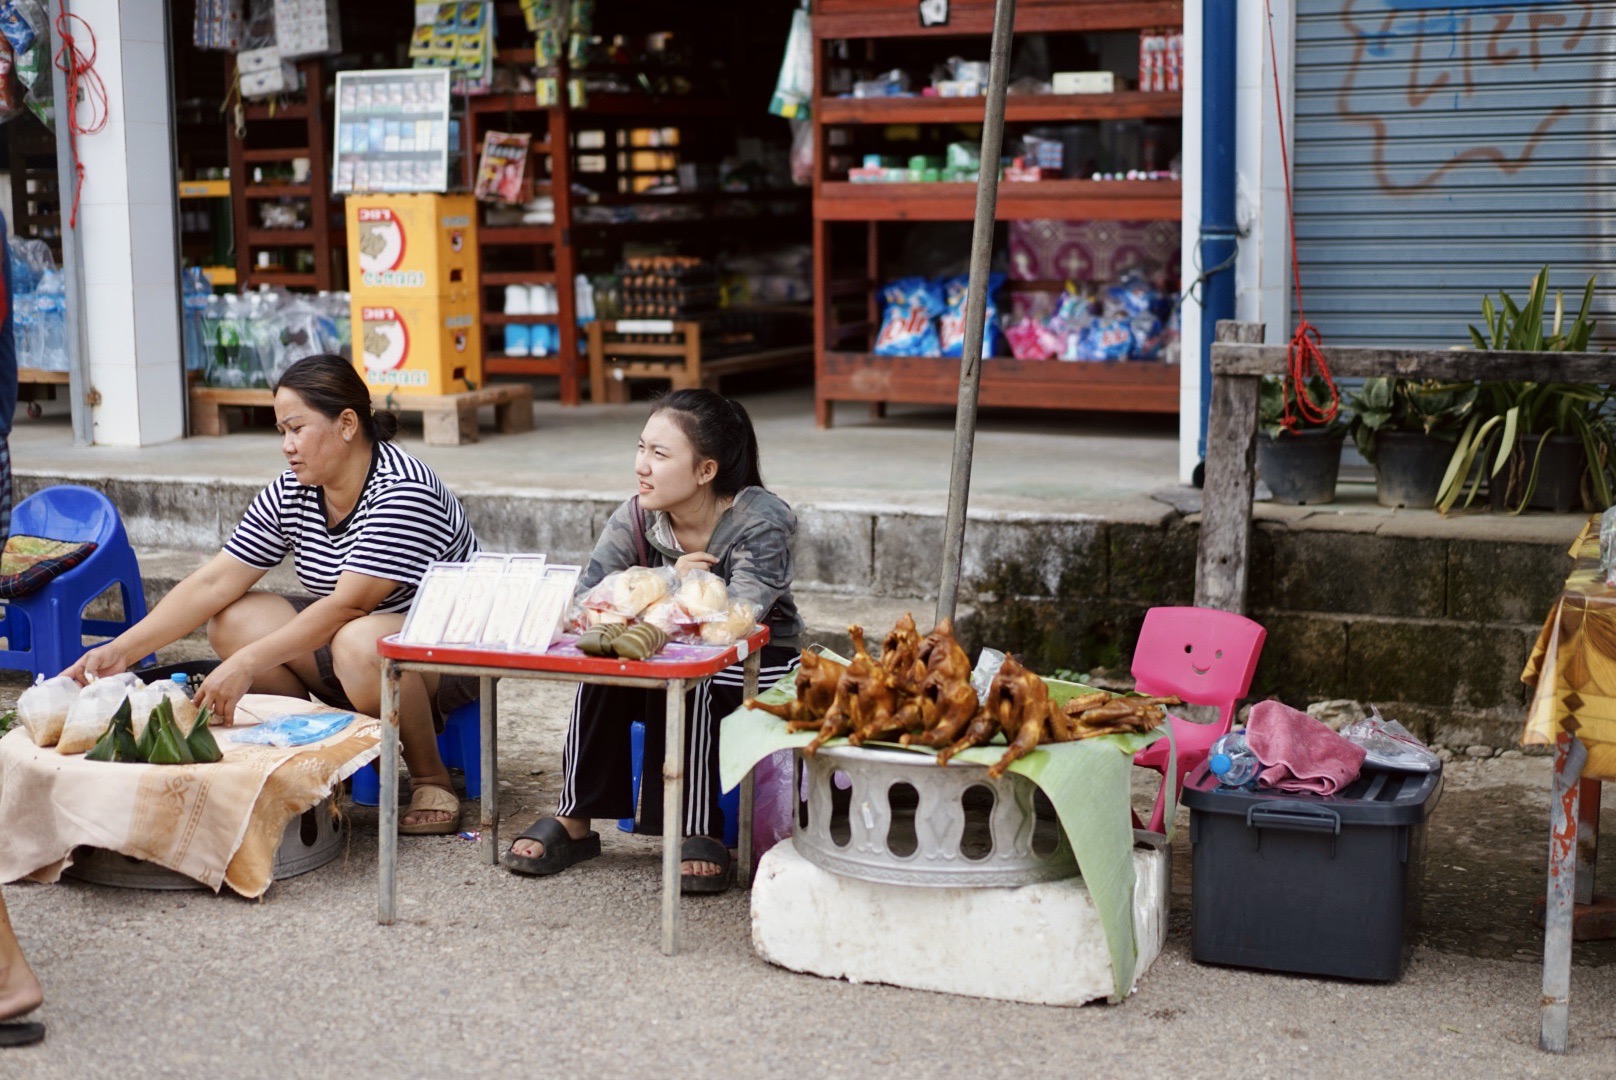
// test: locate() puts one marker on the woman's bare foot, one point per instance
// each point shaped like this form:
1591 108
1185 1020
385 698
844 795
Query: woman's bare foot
430 817
20 992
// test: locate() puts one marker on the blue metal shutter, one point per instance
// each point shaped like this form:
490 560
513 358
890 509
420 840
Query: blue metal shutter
1446 151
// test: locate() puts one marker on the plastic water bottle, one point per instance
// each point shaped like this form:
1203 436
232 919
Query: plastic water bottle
51 306
196 295
25 329
1233 762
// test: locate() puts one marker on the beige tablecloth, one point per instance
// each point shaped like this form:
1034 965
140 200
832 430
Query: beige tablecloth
220 824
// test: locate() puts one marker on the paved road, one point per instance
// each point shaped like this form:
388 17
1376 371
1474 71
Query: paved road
486 971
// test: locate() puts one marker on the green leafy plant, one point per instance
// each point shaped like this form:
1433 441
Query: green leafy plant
1430 407
1271 396
1503 442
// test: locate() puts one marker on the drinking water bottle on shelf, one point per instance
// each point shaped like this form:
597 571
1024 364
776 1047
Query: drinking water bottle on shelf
1233 762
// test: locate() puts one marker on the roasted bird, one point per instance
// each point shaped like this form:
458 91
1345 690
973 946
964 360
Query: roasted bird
948 702
816 681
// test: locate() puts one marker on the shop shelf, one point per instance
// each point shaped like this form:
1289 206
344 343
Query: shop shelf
277 191
517 277
1117 200
284 278
499 318
1030 108
204 189
275 153
516 234
1132 386
297 110
973 18
280 237
500 364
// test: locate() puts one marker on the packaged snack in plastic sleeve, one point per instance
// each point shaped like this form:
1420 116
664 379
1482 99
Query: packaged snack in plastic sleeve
92 712
909 306
479 590
736 622
703 596
670 618
541 623
1389 745
1030 339
629 592
434 601
297 730
44 706
951 323
522 575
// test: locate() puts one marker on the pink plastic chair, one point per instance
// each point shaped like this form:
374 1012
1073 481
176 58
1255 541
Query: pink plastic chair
1206 657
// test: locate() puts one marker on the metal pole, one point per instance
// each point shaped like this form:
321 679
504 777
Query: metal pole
387 815
78 357
976 296
673 787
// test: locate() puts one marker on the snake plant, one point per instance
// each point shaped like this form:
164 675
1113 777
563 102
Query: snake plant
1513 421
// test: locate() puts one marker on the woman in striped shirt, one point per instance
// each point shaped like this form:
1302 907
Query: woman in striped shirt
362 520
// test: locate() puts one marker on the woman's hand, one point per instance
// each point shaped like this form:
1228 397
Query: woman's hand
695 560
99 662
224 687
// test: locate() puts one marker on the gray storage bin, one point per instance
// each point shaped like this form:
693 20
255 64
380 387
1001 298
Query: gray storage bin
1306 884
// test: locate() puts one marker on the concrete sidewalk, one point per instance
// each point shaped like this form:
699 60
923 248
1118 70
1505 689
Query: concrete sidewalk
488 974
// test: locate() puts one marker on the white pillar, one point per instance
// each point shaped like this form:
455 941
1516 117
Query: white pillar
126 220
1263 266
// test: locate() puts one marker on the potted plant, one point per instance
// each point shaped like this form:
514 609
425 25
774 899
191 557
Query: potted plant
1298 455
1406 429
1543 445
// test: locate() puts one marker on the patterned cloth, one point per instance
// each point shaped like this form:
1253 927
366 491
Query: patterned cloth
220 824
28 562
1573 665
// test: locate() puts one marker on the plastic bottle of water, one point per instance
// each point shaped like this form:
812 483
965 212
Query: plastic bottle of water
1233 762
52 311
25 329
196 295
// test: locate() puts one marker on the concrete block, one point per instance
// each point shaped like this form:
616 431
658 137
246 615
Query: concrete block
1504 582
1154 567
1354 573
908 554
835 548
1303 658
1040 944
1389 658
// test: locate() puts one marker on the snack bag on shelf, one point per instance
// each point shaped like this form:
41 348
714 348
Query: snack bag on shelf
951 324
1030 339
907 328
44 706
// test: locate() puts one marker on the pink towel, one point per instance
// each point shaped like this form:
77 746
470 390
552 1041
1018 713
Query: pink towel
1299 753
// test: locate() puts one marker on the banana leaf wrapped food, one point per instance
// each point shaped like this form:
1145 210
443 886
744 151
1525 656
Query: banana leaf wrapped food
117 743
167 748
204 748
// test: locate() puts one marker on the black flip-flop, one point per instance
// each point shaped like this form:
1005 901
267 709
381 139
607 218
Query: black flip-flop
21 1033
704 849
560 849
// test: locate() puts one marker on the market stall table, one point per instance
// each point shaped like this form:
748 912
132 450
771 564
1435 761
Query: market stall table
672 670
217 823
1573 672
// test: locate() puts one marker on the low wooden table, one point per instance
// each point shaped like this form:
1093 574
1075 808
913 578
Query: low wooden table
1573 672
672 670
673 351
35 385
446 419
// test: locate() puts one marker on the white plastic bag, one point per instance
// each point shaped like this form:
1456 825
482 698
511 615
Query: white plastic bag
142 700
44 706
87 720
1389 745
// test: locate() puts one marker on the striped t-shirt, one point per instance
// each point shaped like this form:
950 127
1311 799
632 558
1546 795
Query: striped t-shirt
405 519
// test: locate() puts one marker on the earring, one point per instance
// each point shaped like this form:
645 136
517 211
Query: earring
347 438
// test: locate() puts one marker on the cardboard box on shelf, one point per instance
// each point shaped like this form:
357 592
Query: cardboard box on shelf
418 345
1084 82
421 245
281 79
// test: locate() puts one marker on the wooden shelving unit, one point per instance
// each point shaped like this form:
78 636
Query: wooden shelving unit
35 194
844 328
276 134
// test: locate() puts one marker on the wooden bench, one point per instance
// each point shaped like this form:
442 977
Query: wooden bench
446 419
672 349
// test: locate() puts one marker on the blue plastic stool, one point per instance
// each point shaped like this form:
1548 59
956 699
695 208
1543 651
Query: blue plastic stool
45 630
460 743
728 801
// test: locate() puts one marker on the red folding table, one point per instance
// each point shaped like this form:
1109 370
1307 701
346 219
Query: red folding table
672 670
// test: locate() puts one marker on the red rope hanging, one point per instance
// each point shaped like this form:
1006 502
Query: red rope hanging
1303 357
79 69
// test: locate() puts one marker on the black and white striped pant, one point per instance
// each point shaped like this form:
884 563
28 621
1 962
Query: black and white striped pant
595 761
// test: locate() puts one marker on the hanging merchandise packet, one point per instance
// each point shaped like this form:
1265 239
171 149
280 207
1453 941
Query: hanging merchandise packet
299 730
907 329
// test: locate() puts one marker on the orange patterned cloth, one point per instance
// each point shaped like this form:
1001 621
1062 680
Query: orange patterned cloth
1572 669
220 824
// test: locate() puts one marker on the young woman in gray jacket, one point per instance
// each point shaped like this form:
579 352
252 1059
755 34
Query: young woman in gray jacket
701 504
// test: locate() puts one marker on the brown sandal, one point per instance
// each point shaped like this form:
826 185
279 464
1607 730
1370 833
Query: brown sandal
431 797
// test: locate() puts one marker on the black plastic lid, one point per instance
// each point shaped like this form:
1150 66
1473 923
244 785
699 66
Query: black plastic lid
1377 797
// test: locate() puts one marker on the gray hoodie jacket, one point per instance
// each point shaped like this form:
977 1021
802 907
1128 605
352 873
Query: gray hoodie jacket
752 541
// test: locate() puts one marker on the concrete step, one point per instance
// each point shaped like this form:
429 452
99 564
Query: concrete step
828 614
